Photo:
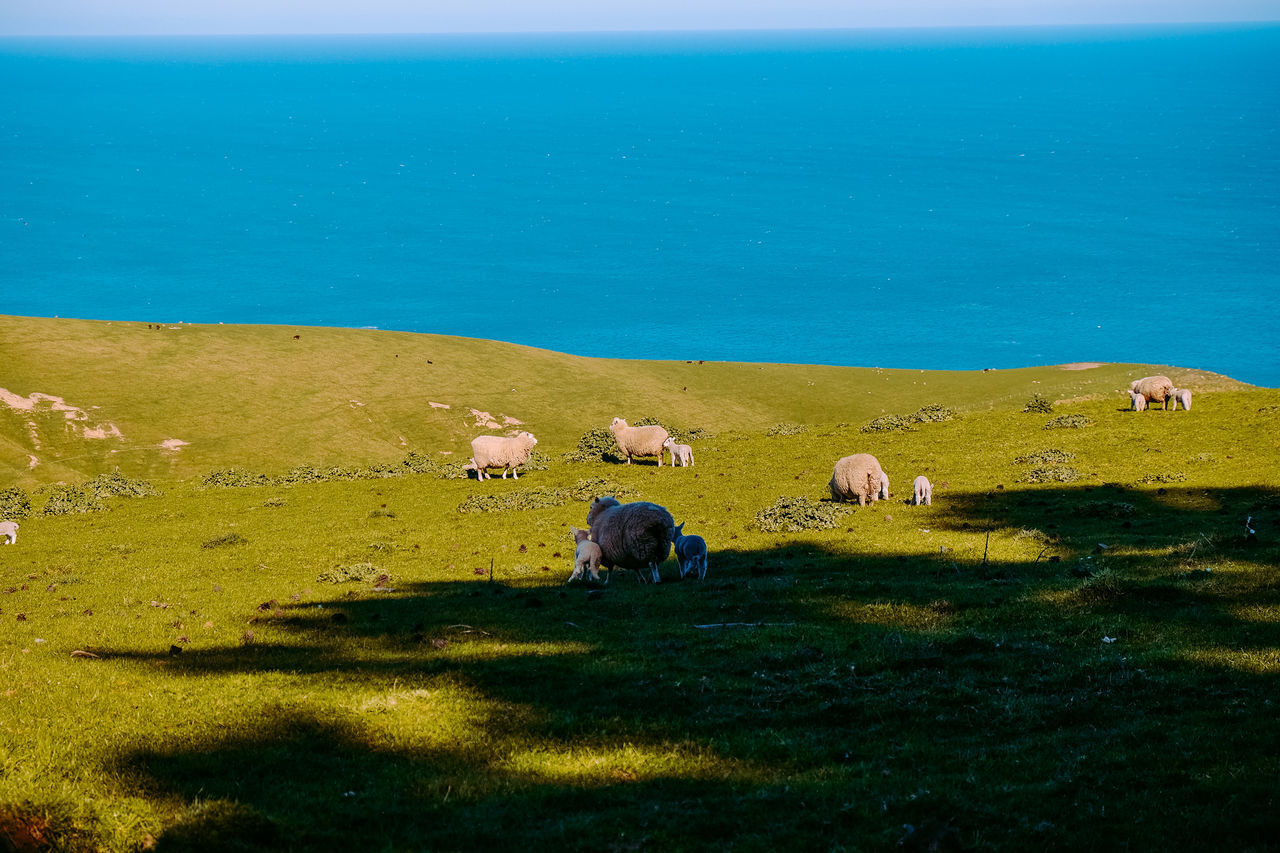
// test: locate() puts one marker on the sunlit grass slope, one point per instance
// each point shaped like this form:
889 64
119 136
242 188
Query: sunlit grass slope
270 397
1077 646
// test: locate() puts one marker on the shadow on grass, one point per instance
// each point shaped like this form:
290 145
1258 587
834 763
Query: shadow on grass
806 697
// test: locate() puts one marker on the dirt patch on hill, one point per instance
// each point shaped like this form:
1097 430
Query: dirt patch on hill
1080 365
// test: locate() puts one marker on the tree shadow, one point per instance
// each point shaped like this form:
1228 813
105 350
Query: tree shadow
808 695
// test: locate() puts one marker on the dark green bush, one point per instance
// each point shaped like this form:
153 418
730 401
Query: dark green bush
1053 474
14 503
786 429
1038 405
354 573
233 478
65 499
117 484
794 514
541 497
1164 477
1048 456
891 423
933 414
596 445
1069 422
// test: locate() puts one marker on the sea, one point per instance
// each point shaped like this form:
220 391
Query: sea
918 198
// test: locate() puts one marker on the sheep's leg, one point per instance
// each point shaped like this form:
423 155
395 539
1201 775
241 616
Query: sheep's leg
654 569
702 568
515 474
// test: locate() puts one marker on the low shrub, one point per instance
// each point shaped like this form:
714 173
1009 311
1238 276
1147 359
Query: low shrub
233 478
933 414
65 499
596 445
14 503
1048 456
794 514
1053 474
354 573
1164 477
1069 422
541 497
891 423
224 540
1038 405
786 429
117 484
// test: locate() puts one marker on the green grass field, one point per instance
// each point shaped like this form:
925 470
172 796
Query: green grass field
1077 646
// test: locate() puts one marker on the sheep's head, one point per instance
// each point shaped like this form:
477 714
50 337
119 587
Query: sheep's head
579 535
618 423
599 505
676 532
528 438
669 442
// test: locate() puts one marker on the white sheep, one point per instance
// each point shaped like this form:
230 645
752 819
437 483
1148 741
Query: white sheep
9 532
922 492
1183 396
1155 388
638 440
858 476
681 453
1137 402
691 554
631 536
501 451
586 557
884 486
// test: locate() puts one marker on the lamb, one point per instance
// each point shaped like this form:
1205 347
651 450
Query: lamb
631 536
586 557
884 486
639 440
1136 401
858 476
1183 396
1156 389
922 492
691 554
681 453
500 451
9 532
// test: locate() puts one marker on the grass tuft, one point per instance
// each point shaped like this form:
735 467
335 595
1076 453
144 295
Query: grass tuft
796 514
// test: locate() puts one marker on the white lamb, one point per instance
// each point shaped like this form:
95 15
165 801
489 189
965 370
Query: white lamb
884 486
9 532
691 554
1183 396
681 453
922 493
586 557
638 440
500 451
1137 402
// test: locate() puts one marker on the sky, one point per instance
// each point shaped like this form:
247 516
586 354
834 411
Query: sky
210 17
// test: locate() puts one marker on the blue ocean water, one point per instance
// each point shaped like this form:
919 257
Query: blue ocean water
934 199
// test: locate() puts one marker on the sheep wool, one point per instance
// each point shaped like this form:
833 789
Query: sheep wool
638 440
691 554
681 453
1137 402
500 451
922 491
9 532
1156 389
587 556
1183 396
631 536
858 476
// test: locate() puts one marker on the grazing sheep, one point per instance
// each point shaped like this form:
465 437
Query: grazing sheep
639 440
922 493
500 451
9 532
1157 389
858 476
1137 402
681 453
631 536
691 554
1183 396
586 557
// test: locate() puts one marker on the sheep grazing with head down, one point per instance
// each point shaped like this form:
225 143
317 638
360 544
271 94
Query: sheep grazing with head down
586 557
9 532
1137 402
638 440
1156 389
691 554
858 477
1183 396
501 451
922 491
681 453
634 536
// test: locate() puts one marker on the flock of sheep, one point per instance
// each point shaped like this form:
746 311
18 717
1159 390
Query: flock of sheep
640 535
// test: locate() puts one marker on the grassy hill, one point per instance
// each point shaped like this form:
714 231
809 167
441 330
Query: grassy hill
272 397
1077 645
